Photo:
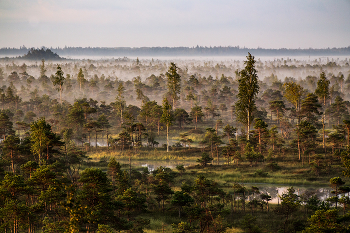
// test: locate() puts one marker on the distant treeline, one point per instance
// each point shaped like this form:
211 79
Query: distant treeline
38 54
182 51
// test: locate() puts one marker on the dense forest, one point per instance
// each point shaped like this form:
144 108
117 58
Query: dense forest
39 54
70 130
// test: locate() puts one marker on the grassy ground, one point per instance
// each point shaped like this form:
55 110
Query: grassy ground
287 170
148 154
267 221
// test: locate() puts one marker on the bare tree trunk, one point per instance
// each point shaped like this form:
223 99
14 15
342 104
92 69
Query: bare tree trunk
61 94
167 138
12 164
196 123
248 126
158 127
96 138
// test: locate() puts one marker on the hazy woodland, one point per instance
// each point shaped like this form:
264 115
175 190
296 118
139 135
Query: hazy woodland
102 76
75 131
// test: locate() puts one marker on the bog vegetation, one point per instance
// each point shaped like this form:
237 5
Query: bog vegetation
70 131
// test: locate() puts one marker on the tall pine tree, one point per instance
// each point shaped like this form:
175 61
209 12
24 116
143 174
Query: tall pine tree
248 91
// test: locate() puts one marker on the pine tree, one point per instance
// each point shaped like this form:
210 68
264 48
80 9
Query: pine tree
40 133
247 92
322 90
310 109
278 107
174 85
261 130
81 78
58 80
167 118
196 114
42 68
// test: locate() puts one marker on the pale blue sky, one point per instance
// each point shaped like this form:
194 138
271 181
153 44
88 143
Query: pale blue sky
137 23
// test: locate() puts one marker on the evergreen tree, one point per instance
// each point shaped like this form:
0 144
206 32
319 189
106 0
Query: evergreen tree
10 149
58 80
307 134
229 131
277 107
326 221
96 205
42 68
248 90
167 118
174 85
40 133
261 131
310 109
338 110
6 126
196 114
347 128
181 116
322 90
81 78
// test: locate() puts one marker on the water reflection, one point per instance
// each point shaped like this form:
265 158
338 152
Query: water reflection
305 192
274 190
152 165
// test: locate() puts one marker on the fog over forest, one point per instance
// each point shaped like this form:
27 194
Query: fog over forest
174 116
102 76
205 51
99 138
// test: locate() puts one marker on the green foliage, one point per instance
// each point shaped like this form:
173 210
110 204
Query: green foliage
204 160
183 227
260 173
6 126
42 138
248 90
345 157
196 114
338 110
293 93
278 108
325 221
322 90
11 150
273 166
229 131
167 116
104 229
58 80
61 192
174 83
290 202
181 168
181 199
251 154
181 116
81 78
249 224
310 109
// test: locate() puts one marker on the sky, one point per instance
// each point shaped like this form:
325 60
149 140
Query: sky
152 23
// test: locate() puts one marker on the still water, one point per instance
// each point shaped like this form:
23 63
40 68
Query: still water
274 190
